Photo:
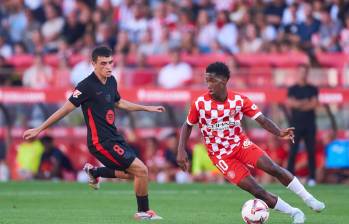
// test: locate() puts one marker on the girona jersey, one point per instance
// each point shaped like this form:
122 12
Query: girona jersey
220 122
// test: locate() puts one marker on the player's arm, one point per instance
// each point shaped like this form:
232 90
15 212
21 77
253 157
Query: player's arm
126 105
270 126
59 114
182 155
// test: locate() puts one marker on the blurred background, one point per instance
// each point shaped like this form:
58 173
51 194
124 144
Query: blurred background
161 50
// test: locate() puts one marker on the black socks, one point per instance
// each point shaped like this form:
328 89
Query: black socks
143 203
103 172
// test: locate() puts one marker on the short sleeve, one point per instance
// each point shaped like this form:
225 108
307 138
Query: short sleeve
193 115
79 95
250 109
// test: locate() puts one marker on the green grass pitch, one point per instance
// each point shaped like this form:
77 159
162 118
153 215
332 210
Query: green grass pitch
73 203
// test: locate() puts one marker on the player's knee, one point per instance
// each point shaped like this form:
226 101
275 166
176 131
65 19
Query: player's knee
142 171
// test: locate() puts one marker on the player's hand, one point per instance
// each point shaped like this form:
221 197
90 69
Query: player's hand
287 134
31 133
182 160
155 109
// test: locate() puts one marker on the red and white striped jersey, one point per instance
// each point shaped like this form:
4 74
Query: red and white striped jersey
220 122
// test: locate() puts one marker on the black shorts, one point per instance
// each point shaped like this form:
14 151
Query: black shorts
114 154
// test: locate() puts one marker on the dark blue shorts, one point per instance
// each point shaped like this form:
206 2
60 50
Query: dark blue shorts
114 154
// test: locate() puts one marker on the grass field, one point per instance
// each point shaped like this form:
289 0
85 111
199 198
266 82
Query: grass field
73 203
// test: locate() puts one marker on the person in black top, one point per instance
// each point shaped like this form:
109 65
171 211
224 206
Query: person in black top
303 100
54 164
98 97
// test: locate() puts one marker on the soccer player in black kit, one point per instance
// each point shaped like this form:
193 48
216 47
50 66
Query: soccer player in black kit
98 97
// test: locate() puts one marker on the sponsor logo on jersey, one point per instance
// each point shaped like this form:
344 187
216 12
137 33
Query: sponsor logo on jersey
76 93
223 125
246 143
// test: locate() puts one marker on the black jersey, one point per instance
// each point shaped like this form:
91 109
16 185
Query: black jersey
97 102
300 118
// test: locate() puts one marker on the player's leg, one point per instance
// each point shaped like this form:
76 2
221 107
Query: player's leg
266 164
249 184
236 172
140 172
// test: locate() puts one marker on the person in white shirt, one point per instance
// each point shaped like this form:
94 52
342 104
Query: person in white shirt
176 74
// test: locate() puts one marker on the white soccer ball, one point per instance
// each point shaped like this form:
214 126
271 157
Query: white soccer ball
255 211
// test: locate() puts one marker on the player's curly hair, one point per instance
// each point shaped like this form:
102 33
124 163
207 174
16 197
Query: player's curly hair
218 68
101 51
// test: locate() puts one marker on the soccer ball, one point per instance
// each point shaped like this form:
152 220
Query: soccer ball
255 211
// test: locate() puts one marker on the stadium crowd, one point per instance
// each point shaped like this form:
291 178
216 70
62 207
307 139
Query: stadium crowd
154 27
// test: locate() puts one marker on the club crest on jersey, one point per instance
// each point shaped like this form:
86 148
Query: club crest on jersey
237 109
246 143
232 113
76 93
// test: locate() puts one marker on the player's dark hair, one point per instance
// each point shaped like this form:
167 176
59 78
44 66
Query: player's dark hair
101 51
219 69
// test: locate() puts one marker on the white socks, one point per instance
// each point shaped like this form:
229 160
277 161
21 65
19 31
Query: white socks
296 187
284 207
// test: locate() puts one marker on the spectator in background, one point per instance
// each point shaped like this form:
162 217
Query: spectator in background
344 36
327 38
8 76
104 35
177 73
73 29
250 41
227 33
206 33
53 163
82 69
39 75
202 168
146 45
32 28
137 24
5 49
274 11
17 21
164 44
34 42
303 100
308 27
52 27
28 159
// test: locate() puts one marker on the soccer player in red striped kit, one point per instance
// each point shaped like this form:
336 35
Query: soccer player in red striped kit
98 97
218 114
